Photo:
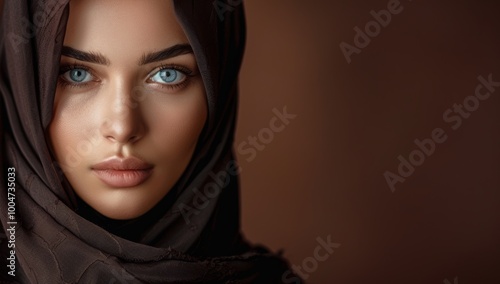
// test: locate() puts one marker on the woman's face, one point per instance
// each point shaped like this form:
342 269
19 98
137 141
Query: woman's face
129 106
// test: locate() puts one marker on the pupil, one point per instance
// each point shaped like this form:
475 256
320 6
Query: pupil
78 75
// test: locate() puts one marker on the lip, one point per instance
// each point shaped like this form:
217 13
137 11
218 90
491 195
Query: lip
120 173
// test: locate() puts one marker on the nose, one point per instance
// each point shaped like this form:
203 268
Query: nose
122 120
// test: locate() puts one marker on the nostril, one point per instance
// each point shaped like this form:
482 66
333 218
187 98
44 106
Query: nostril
133 138
109 137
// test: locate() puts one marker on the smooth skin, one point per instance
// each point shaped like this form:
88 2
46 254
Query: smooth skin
117 96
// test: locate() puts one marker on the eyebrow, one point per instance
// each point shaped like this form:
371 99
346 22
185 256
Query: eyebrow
92 57
173 51
98 58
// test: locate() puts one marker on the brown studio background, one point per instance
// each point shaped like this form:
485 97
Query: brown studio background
323 175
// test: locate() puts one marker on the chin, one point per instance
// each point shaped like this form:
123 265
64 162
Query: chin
123 208
122 213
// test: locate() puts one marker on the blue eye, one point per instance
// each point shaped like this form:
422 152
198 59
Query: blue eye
168 76
77 75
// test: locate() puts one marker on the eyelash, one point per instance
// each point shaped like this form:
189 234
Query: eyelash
65 68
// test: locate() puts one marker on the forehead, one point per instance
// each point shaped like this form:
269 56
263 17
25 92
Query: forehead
122 26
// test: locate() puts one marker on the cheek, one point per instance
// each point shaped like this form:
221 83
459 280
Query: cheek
68 132
175 127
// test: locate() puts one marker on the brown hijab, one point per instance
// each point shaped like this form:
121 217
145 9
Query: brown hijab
190 236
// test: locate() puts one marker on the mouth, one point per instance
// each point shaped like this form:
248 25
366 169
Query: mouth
122 173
